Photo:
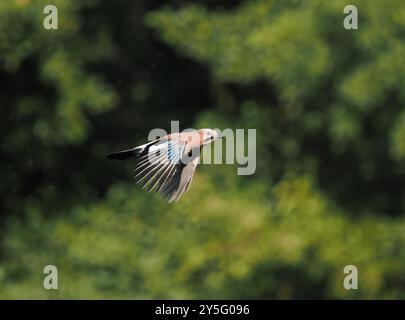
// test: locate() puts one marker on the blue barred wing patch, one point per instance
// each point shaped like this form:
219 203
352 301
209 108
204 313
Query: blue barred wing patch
174 151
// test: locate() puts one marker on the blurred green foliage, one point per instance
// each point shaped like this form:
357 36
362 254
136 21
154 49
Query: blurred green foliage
328 106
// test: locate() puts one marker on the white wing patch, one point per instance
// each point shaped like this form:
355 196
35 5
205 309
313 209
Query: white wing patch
160 164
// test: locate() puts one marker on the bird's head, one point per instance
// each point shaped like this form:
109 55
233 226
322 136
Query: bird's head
209 135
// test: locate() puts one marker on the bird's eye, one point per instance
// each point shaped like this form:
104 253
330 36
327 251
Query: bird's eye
212 137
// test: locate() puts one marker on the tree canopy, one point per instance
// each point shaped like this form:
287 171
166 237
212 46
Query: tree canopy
328 105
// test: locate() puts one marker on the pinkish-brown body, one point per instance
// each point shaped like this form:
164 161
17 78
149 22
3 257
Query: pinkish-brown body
168 163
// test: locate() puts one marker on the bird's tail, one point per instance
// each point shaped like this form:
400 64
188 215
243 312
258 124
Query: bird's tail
131 153
124 155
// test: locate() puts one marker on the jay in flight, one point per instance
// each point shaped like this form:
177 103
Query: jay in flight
167 165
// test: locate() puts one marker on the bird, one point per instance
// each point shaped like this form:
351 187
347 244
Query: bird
167 164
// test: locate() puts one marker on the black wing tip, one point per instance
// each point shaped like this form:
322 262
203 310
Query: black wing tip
122 155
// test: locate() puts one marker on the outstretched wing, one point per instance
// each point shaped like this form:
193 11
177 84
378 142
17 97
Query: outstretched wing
180 182
159 163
